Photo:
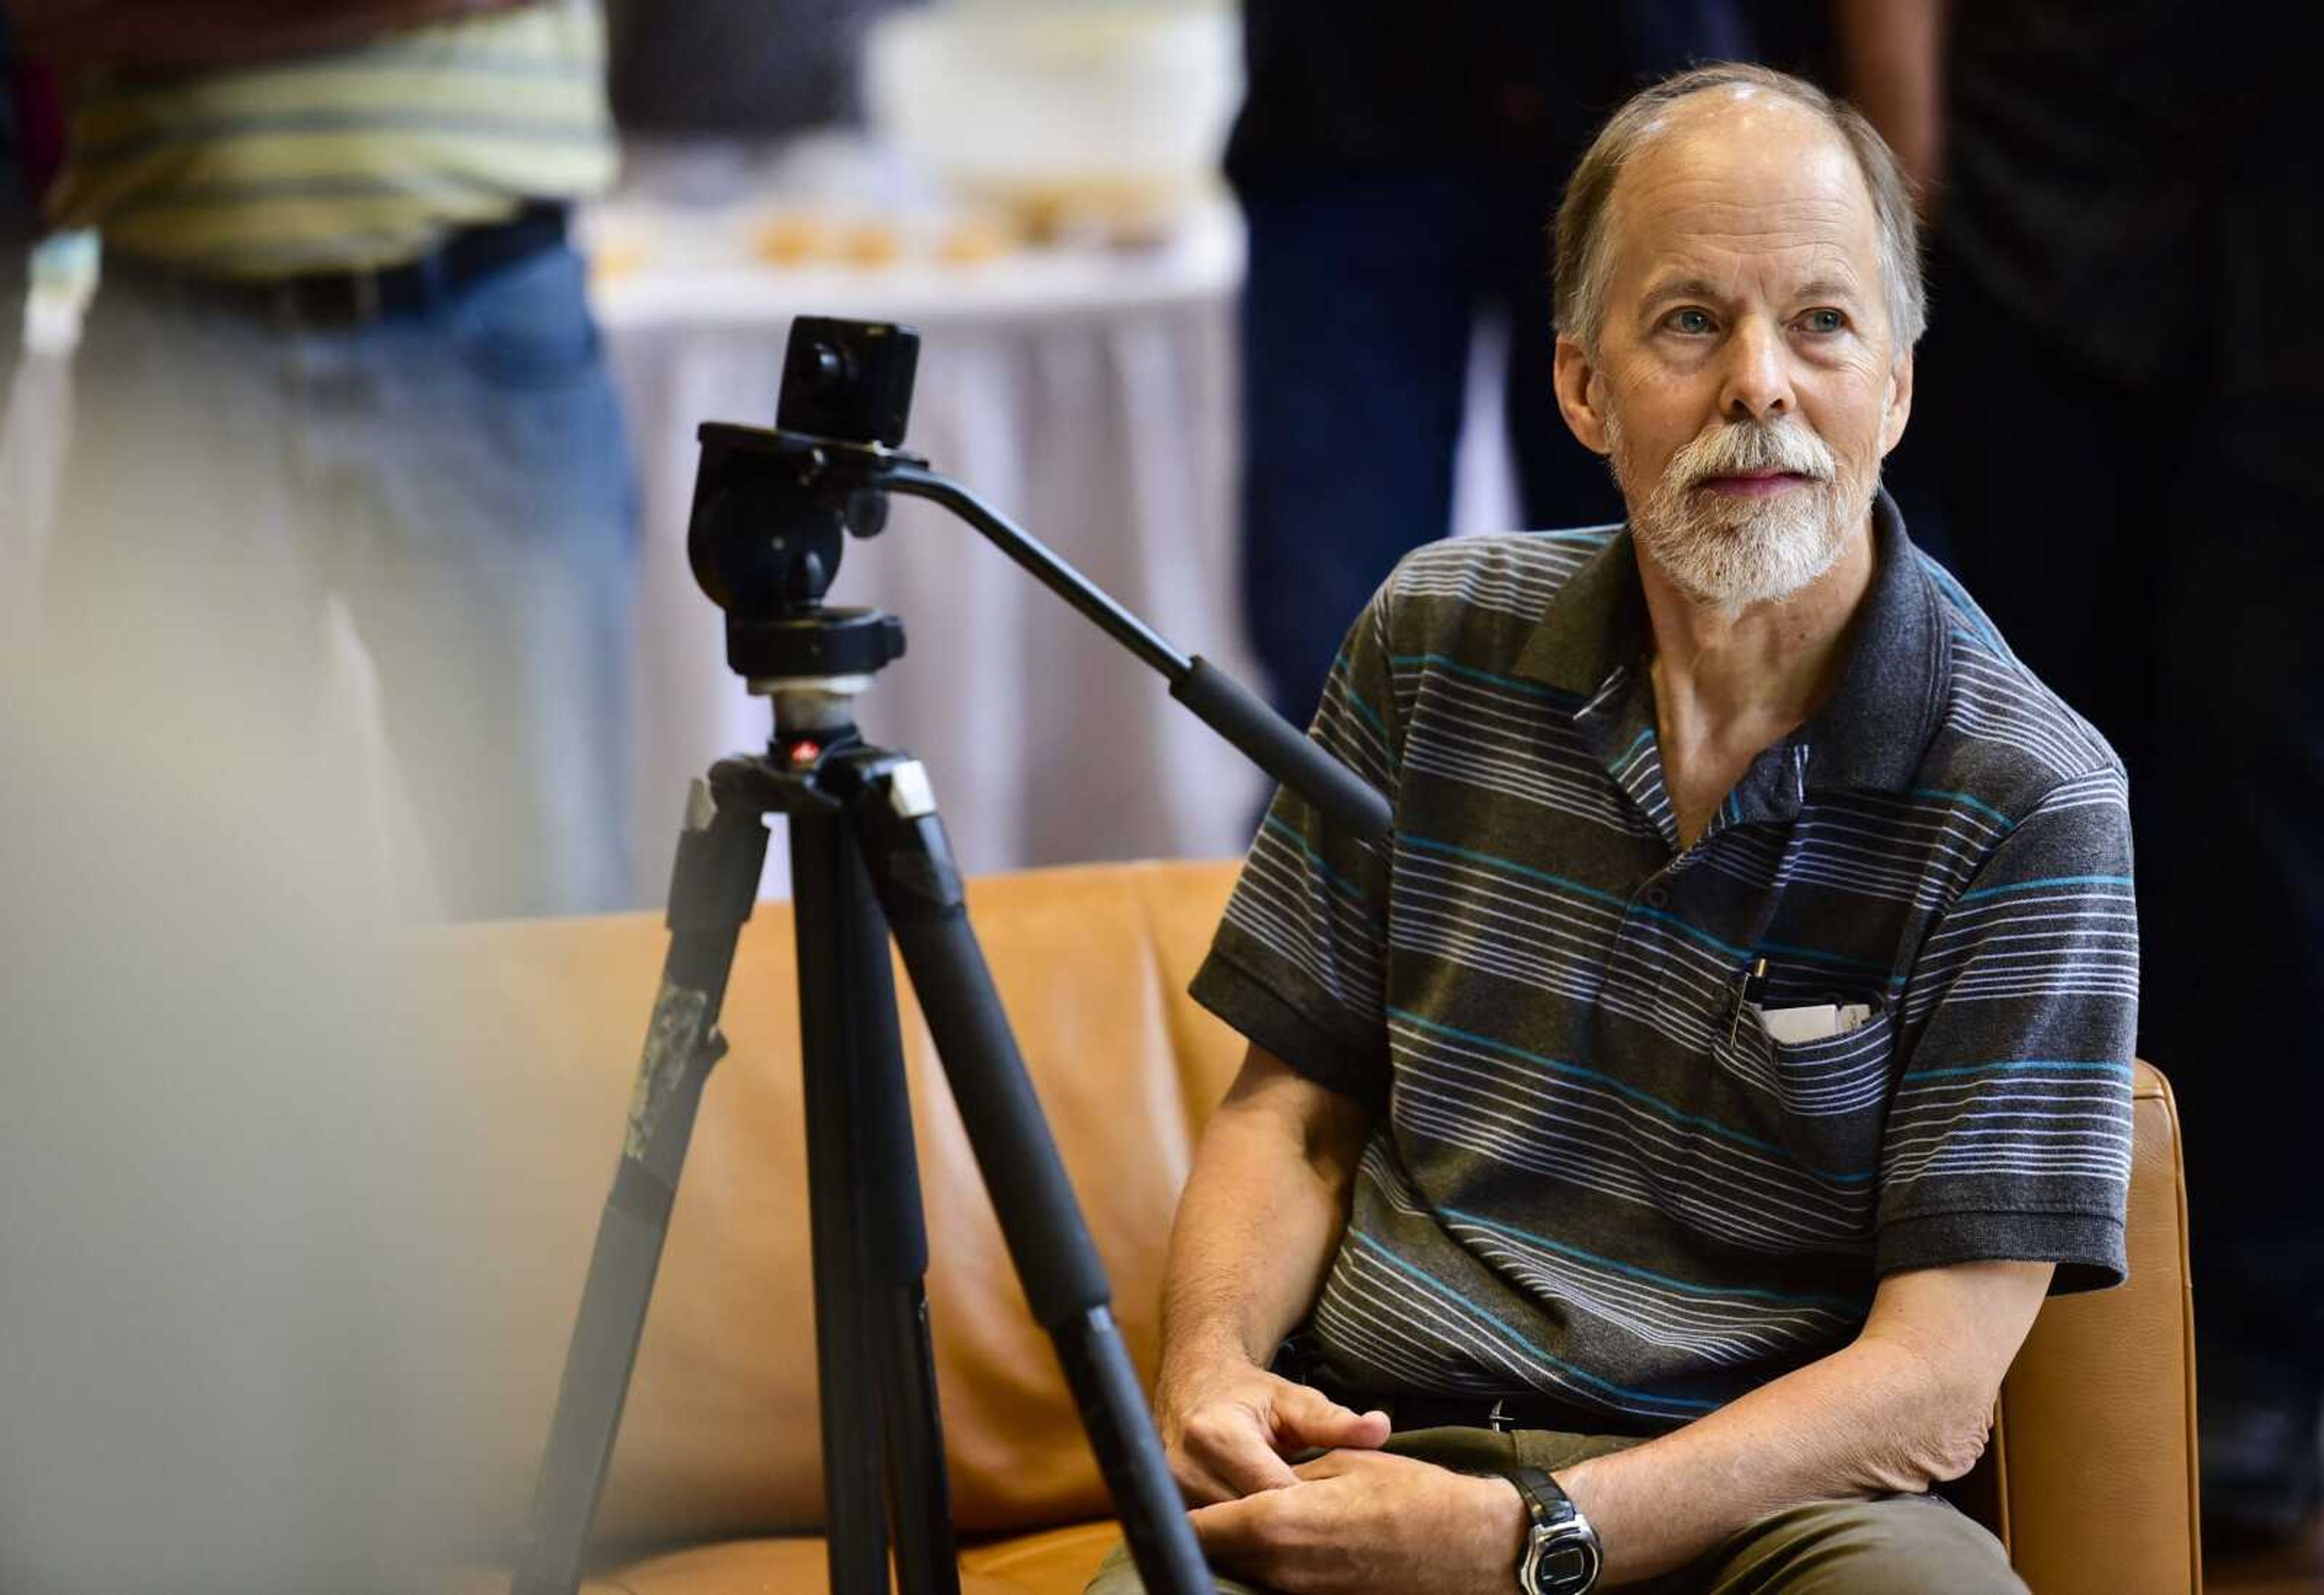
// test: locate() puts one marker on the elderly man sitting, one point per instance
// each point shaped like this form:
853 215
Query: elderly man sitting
1662 1143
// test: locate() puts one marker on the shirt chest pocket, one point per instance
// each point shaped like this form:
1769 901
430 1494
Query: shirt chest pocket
1828 1090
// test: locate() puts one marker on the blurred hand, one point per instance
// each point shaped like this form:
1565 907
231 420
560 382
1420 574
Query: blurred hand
1230 1428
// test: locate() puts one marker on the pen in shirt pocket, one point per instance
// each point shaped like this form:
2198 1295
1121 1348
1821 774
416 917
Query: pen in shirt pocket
1750 986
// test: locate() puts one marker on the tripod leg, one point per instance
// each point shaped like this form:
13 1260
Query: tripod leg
870 1246
919 887
712 888
919 1498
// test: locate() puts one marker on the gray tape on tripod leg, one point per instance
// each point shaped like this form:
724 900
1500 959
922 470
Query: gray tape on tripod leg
639 1195
671 1041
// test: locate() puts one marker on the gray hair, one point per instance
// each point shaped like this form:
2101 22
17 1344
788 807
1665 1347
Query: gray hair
1583 256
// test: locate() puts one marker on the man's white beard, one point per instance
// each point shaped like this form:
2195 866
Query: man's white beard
1728 551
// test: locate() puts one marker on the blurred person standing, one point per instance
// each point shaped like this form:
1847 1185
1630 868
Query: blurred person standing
1398 165
2130 253
343 351
738 68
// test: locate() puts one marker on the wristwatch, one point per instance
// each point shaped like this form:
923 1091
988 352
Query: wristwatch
1561 1554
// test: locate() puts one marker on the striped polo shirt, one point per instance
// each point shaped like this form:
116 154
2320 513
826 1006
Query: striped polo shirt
1595 1178
347 159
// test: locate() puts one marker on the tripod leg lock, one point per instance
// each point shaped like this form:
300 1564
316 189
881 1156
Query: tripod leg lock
896 811
715 879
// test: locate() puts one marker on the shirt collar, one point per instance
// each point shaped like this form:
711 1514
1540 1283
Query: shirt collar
1873 732
1592 626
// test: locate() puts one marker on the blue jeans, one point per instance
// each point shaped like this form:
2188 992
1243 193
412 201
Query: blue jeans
456 477
1363 292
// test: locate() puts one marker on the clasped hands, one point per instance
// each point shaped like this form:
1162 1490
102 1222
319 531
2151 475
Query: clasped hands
1353 1521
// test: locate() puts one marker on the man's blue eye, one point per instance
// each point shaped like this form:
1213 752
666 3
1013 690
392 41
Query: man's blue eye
1825 321
1689 321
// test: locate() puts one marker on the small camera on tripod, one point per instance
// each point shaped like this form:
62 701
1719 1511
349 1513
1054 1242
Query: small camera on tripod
848 379
773 507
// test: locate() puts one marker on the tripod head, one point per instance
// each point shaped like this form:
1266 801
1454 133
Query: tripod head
773 509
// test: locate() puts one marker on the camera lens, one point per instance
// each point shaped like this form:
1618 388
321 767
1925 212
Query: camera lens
849 381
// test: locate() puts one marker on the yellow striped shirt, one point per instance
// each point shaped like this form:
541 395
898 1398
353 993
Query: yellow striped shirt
347 159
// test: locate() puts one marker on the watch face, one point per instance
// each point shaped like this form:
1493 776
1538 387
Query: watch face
1561 1566
1565 1565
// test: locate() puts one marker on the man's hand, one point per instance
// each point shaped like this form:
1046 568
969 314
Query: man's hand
1367 1523
1229 1429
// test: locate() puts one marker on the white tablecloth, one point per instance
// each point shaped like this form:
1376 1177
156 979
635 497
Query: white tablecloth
1090 399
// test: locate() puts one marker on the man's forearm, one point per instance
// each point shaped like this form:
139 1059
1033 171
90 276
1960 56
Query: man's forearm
1260 1218
162 34
1869 1419
1906 1406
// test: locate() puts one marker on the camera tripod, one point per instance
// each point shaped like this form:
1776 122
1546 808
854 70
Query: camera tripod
868 858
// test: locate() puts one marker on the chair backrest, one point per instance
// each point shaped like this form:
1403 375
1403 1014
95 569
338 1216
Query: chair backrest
721 1434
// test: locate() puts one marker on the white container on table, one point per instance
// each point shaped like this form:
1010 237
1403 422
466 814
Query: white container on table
1106 111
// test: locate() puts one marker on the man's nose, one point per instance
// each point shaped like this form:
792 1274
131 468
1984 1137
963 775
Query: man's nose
1757 383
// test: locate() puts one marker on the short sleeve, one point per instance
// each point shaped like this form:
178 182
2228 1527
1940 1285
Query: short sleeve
2009 1133
1299 962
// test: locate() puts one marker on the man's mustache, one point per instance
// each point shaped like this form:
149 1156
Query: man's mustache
1748 448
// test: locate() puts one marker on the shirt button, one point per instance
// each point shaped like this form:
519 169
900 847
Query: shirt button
1658 897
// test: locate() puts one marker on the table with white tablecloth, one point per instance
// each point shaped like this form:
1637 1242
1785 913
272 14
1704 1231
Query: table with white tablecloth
1089 397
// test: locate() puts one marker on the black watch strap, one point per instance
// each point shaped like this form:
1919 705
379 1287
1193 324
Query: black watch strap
1561 1554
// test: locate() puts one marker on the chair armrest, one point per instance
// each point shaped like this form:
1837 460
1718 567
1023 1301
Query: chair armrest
2094 1438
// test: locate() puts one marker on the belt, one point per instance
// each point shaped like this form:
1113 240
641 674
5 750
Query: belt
1499 1413
324 302
1300 1360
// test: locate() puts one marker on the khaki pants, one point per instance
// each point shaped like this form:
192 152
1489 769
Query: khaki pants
1894 1546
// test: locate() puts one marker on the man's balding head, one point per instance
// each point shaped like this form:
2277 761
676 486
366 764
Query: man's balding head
1731 101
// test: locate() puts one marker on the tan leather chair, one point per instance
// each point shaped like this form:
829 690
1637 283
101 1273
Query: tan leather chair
715 1485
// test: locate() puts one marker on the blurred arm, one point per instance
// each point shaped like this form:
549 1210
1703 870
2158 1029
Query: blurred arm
161 34
1892 67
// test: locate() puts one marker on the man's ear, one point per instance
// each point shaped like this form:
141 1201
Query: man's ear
1574 375
1900 402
